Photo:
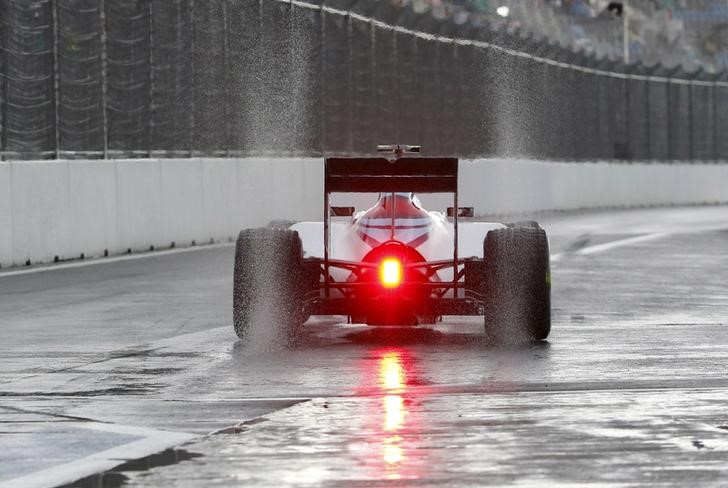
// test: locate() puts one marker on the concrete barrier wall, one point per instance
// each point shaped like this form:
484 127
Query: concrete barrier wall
505 186
69 208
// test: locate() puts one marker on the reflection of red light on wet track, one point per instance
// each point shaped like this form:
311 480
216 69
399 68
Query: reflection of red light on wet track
391 371
393 385
394 412
392 451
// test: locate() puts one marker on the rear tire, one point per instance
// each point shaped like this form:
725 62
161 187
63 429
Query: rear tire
268 282
518 284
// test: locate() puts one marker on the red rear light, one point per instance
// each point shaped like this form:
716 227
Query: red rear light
390 272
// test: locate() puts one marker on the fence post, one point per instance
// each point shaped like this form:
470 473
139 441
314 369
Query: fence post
56 80
418 92
150 117
375 91
226 76
3 81
691 154
715 121
648 117
603 121
324 77
397 87
438 86
670 145
193 101
104 75
629 150
350 92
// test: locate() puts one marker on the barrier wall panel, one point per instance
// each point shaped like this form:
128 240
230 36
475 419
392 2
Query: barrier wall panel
139 205
562 189
312 189
280 189
42 224
6 215
267 190
708 181
182 209
252 177
501 186
220 198
92 205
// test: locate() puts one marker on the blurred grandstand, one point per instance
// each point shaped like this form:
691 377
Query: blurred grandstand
675 33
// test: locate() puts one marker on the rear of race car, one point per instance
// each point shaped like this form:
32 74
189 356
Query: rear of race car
396 263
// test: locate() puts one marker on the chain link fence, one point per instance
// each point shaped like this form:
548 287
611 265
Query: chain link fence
176 78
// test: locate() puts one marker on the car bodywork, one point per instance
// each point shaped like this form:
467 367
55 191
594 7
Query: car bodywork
435 262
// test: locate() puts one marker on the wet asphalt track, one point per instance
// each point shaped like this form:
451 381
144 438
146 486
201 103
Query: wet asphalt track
118 360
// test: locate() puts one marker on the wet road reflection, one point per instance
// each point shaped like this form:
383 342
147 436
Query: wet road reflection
393 381
392 376
390 423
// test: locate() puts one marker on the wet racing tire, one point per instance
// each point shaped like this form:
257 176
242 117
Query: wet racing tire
267 281
517 284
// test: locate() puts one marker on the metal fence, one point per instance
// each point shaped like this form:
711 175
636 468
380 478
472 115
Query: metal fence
138 78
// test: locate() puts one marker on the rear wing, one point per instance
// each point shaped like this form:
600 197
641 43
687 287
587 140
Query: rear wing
400 174
394 174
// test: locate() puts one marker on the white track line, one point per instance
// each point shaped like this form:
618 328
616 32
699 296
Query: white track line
113 259
585 251
622 242
147 442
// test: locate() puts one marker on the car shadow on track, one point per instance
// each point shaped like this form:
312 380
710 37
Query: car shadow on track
327 333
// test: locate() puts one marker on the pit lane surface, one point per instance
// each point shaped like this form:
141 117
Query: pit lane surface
116 361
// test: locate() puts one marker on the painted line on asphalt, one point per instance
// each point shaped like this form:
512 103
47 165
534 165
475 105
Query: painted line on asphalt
152 441
607 246
622 242
112 259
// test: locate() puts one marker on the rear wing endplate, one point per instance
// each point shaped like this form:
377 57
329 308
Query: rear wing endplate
403 174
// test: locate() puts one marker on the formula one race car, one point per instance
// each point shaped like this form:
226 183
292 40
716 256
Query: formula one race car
395 263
